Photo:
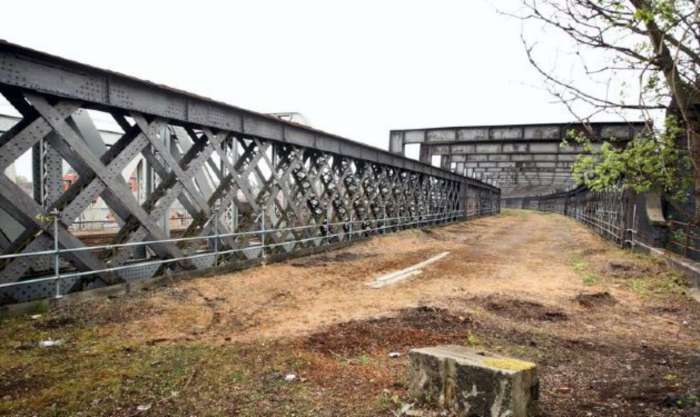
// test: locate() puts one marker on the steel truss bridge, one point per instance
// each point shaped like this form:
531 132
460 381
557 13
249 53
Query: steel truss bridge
522 160
253 185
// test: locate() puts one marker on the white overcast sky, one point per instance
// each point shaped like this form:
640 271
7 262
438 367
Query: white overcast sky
355 68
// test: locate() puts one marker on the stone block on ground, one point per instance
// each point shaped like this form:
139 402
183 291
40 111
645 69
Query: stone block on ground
473 383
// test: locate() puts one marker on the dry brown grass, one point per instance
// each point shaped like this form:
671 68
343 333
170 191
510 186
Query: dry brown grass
535 286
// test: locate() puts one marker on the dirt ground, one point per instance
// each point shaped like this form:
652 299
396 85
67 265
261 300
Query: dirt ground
613 333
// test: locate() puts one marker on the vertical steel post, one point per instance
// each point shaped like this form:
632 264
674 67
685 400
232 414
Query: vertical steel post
215 210
262 232
234 213
57 254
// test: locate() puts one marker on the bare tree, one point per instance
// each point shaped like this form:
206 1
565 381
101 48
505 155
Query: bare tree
654 42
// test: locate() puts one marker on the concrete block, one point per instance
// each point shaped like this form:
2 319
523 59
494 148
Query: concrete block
472 383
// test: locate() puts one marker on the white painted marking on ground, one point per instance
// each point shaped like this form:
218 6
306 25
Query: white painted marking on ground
405 273
395 279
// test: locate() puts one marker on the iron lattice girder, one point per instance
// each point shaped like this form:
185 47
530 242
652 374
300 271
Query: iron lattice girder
212 158
74 201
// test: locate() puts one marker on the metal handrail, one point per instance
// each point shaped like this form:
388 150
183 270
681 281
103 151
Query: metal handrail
58 276
203 237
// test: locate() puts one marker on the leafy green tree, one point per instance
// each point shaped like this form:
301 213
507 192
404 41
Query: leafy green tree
649 162
639 56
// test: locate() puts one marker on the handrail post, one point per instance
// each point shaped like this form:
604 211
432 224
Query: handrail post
57 253
262 231
215 211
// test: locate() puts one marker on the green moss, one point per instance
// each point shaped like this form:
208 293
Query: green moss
472 340
508 363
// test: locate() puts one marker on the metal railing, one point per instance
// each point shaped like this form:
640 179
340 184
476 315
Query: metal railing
603 212
349 231
683 238
624 218
112 225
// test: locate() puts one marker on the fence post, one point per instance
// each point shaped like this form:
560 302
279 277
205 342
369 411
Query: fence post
57 254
